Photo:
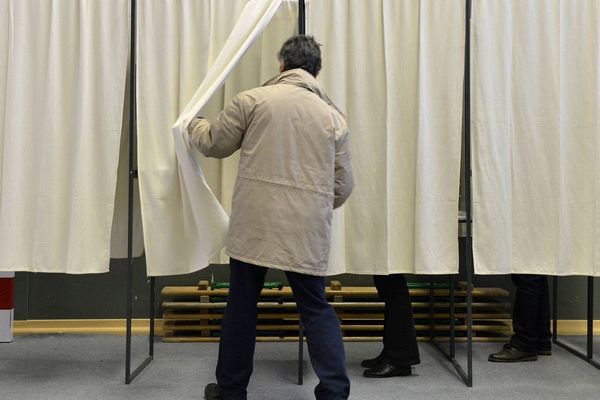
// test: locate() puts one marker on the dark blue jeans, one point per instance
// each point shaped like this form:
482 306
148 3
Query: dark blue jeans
238 333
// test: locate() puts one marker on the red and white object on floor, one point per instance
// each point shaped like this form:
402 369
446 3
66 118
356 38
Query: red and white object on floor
7 295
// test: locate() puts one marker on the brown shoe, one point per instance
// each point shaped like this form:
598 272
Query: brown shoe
509 354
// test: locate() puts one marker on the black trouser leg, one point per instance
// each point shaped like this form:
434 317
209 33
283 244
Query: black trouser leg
399 336
238 330
544 333
531 312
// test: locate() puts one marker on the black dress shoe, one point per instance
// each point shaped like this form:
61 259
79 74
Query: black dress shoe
509 354
545 351
386 370
211 392
372 362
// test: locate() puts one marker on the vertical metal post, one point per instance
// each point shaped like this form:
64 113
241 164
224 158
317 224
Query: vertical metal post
469 324
133 174
130 260
152 314
468 261
300 353
431 313
588 356
590 318
452 352
301 17
301 31
554 308
468 193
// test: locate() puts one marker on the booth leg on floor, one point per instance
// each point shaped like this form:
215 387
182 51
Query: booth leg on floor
300 354
129 375
589 355
450 354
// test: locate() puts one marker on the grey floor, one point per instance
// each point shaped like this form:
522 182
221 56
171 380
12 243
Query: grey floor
92 367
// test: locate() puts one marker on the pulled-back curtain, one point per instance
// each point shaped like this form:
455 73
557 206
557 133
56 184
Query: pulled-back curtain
180 44
63 66
536 136
395 67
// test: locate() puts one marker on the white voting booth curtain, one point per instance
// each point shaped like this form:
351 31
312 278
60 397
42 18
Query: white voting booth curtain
118 236
536 137
63 66
404 111
395 68
181 43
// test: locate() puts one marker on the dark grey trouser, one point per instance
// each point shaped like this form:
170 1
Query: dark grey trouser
399 336
531 313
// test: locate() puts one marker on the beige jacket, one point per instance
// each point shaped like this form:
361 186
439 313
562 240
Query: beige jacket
295 168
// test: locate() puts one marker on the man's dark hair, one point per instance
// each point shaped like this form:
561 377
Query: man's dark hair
301 51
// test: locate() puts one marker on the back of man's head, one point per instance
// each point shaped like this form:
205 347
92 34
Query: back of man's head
301 51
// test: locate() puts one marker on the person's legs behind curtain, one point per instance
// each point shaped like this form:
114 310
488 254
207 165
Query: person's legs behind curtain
531 320
400 349
544 336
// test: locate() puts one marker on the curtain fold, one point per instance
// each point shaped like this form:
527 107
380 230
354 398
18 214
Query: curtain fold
381 65
63 67
536 142
187 50
396 69
119 232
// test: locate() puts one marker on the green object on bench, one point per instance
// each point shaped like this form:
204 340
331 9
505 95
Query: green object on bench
225 285
267 285
425 285
261 299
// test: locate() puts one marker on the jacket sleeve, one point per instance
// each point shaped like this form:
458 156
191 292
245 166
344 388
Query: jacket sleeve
344 180
221 138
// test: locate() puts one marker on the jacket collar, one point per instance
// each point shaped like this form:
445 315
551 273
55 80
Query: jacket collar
303 79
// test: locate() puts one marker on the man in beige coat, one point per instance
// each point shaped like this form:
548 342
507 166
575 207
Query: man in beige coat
294 169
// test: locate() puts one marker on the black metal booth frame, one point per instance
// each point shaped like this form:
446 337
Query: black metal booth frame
133 175
466 376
